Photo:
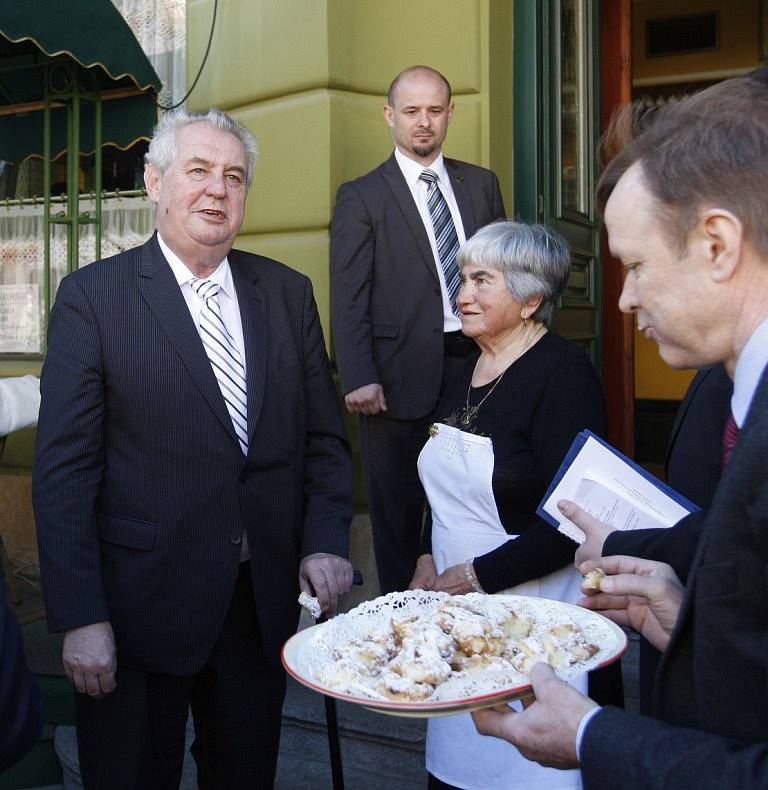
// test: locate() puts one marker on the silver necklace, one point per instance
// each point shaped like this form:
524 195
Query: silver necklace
464 419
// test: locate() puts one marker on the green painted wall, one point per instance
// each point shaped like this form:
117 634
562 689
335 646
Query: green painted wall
309 77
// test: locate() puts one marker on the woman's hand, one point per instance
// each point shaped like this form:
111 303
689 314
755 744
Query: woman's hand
452 580
641 594
425 573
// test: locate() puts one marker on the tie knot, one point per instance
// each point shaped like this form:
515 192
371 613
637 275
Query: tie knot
205 289
429 176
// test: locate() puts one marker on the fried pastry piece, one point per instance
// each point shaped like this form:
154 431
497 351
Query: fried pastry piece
475 635
368 655
475 663
526 653
400 689
571 642
311 604
420 663
593 580
342 675
424 631
514 626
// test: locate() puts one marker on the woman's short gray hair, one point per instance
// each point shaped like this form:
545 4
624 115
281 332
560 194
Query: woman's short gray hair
535 261
162 146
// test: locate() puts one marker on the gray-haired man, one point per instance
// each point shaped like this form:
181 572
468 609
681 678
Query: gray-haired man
191 474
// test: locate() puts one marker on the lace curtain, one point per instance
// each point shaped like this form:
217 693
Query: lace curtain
161 29
126 222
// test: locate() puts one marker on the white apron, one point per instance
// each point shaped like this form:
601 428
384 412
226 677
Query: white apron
456 470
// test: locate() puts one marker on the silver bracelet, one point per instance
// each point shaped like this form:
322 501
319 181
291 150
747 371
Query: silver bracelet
469 575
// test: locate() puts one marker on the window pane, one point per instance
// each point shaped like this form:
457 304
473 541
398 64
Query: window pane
573 98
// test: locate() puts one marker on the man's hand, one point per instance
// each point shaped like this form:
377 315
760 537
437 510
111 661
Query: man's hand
89 659
425 573
596 532
366 400
641 594
452 580
326 576
545 731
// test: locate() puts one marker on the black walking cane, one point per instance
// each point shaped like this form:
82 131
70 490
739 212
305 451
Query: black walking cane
334 744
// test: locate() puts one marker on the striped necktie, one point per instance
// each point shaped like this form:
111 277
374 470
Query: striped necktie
224 356
730 437
445 234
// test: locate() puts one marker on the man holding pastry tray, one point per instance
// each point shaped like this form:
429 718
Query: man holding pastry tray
684 207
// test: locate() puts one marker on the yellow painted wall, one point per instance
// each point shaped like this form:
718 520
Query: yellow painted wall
654 379
309 77
738 37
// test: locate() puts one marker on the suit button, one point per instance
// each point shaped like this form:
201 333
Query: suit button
236 539
243 477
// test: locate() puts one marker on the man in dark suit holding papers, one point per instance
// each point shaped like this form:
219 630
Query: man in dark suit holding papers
684 209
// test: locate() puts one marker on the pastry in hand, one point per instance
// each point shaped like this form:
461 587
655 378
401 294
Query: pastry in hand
592 581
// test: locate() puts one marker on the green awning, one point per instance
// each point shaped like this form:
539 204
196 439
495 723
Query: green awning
88 38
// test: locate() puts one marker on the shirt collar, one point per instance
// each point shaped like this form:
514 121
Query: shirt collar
412 170
752 361
222 275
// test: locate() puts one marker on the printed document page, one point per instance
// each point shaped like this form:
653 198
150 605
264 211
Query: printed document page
601 483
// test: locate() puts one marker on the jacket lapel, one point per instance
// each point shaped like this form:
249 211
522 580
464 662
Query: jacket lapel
161 292
253 315
392 174
463 198
681 412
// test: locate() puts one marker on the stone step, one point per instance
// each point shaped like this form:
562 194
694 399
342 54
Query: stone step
377 750
368 761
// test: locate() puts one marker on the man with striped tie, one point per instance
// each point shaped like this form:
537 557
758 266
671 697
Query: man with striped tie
192 474
394 280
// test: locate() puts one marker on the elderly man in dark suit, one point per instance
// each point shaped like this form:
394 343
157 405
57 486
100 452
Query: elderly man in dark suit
191 475
394 280
685 214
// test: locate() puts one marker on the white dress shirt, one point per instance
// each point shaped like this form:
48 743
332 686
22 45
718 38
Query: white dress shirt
19 403
411 171
749 369
230 312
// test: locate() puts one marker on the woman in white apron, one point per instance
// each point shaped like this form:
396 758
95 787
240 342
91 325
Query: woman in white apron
502 429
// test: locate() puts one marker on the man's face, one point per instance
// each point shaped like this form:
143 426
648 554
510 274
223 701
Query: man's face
419 116
670 294
201 197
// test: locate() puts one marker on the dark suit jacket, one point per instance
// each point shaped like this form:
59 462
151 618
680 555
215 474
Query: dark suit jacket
21 706
711 691
386 302
141 492
694 457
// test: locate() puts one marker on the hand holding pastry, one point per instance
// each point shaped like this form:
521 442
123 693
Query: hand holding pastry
641 594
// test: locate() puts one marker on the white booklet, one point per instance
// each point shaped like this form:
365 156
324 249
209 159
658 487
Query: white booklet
612 488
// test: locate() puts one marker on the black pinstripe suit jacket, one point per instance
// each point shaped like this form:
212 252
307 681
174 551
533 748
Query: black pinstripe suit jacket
386 301
140 489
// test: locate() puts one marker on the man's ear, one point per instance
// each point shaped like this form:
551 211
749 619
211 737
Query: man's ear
152 180
388 112
722 235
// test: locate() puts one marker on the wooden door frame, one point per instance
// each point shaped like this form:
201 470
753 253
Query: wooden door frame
618 328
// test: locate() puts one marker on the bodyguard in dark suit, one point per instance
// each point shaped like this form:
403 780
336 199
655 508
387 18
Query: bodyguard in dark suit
685 215
394 280
191 474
